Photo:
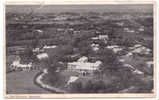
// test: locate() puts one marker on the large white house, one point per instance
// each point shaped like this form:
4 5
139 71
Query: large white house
84 66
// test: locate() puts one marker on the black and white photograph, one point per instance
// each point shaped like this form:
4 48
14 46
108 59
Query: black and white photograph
79 49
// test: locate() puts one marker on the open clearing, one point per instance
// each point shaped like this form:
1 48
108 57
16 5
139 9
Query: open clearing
23 83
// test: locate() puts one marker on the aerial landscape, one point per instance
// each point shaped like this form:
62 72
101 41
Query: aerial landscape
79 49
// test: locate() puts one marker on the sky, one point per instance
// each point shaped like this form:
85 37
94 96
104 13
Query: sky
80 8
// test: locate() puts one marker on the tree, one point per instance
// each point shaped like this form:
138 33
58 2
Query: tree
77 87
28 53
35 43
88 87
99 87
94 87
66 49
107 57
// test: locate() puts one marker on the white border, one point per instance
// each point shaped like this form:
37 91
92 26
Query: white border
59 1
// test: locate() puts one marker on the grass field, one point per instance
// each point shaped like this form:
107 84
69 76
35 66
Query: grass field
22 83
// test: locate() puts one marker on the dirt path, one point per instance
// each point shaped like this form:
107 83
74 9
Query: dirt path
23 83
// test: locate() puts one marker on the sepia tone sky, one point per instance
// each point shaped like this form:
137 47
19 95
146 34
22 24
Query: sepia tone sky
80 8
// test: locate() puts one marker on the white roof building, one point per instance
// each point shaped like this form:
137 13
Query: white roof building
102 37
149 64
49 47
120 23
42 56
40 31
138 72
112 46
58 18
141 28
138 48
83 65
95 47
130 54
72 79
135 46
129 30
115 48
36 50
83 59
94 38
142 50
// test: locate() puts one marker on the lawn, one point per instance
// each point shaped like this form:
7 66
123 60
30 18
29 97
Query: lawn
22 83
64 76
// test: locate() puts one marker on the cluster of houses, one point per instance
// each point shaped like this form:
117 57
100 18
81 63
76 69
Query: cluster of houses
141 50
140 29
138 48
82 65
40 54
134 70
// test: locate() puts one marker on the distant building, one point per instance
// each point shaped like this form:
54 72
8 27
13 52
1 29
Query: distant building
130 54
40 31
115 48
49 47
94 38
42 56
16 50
83 59
101 37
149 64
120 23
72 79
38 50
141 28
129 30
141 50
95 47
138 49
60 29
59 18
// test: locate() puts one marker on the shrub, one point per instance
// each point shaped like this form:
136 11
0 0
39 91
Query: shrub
76 87
95 87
